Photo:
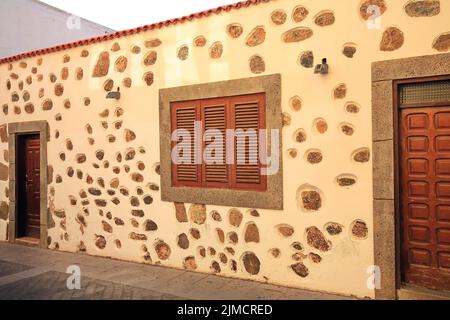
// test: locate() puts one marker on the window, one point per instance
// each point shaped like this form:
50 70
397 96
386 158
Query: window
229 148
242 118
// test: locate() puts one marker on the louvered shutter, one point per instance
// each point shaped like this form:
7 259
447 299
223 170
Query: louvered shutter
214 117
184 115
249 116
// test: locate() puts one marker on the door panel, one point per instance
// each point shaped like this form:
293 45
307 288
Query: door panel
29 190
425 196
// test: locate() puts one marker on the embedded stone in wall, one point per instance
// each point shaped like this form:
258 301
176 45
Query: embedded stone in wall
216 216
135 203
150 225
100 242
349 50
64 73
17 110
66 58
129 135
100 203
307 59
183 241
107 227
118 244
299 13
23 65
84 54
8 84
148 199
199 41
150 58
127 82
253 213
47 105
183 52
197 213
138 236
79 74
300 136
134 223
347 129
369 9
121 64
180 212
137 177
296 103
29 108
352 107
311 200
189 263
334 228
324 18
25 96
314 157
152 43
108 85
300 269
362 155
423 8
442 42
119 222
285 230
235 30
392 39
220 235
15 97
278 17
215 267
4 210
256 36
316 239
80 158
257 64
233 237
216 50
29 80
67 104
251 233
359 230
235 217
149 78
101 68
162 250
135 49
340 91
201 251
58 117
297 34
251 263
130 154
115 47
114 183
346 181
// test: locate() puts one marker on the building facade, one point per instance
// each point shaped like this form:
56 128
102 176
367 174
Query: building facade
27 25
356 203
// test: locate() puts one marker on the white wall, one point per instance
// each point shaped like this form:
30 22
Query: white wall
27 25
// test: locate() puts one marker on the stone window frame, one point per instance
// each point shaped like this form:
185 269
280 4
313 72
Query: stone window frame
272 198
15 130
386 210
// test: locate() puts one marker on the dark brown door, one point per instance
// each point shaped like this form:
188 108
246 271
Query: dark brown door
425 196
29 186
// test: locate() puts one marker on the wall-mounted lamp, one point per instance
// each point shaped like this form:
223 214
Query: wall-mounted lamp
322 68
114 94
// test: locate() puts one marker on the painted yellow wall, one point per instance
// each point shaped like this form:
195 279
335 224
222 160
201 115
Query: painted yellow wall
343 268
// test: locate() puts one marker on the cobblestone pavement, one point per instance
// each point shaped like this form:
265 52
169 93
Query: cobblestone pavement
37 274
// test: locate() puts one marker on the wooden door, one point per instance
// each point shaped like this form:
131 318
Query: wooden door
29 186
425 196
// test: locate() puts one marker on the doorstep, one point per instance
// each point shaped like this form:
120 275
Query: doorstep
417 293
27 241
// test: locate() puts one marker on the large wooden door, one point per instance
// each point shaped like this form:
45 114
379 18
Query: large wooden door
425 196
29 186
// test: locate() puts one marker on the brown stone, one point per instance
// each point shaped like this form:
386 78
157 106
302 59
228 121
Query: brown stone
138 236
347 129
251 263
80 158
251 233
87 101
275 252
152 43
352 108
299 13
127 82
180 212
119 222
135 49
235 217
442 42
195 233
340 91
183 52
137 177
189 263
314 157
296 103
17 110
162 250
107 227
84 54
149 78
360 230
150 225
216 50
134 223
349 51
278 17
115 47
15 97
316 239
134 202
200 41
101 68
197 213
334 228
4 210
216 216
365 7
257 64
29 108
286 230
26 96
254 213
202 251
150 58
121 64
79 74
233 237
183 241
64 73
108 85
130 154
297 34
423 8
223 258
100 203
220 235
300 136
300 269
100 242
307 59
147 199
393 39
215 267
66 58
4 172
256 36
362 156
311 200
136 213
324 18
235 30
47 105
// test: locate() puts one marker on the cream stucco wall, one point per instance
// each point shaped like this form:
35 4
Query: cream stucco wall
343 269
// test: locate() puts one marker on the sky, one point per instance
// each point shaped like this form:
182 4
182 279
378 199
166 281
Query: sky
127 14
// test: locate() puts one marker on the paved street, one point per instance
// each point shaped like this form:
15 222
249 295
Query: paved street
33 273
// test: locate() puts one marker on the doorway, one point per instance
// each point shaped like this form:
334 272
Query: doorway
28 178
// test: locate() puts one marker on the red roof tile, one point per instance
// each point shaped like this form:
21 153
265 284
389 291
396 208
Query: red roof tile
119 34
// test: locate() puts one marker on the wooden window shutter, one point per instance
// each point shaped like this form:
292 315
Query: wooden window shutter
248 115
214 116
183 116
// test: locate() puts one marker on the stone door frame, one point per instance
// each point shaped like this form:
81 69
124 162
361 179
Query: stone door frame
15 130
385 75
